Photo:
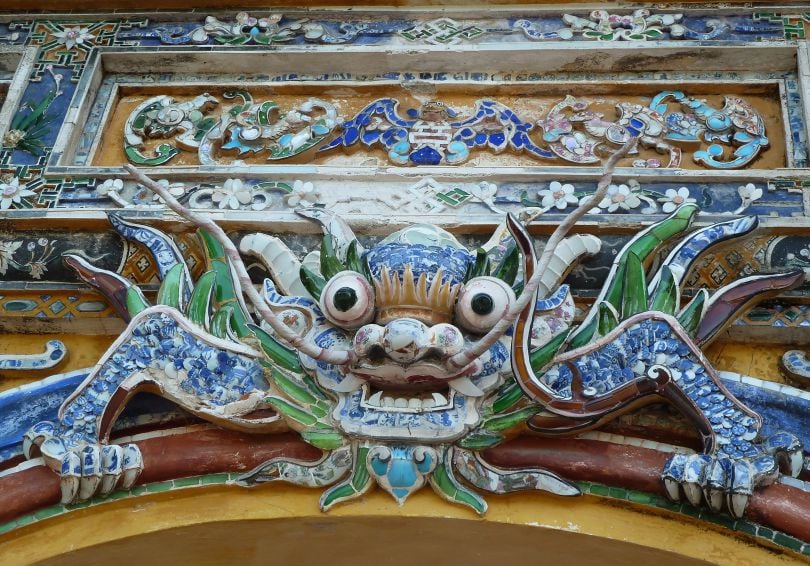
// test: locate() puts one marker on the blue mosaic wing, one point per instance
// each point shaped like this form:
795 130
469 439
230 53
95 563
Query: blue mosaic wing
377 123
512 133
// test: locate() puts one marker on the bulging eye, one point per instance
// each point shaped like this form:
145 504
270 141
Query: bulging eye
348 300
483 302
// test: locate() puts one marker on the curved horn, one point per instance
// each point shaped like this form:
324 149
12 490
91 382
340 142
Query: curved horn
298 342
466 356
333 225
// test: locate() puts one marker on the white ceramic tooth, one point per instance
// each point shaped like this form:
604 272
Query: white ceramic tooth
400 403
737 502
796 463
693 493
466 387
414 403
428 404
350 383
673 489
375 399
388 402
438 400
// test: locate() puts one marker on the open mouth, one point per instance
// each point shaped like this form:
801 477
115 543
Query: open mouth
417 381
406 402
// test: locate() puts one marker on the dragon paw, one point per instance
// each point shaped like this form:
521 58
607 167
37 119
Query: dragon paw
728 483
86 469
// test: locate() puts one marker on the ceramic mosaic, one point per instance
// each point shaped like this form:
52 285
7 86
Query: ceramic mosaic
408 263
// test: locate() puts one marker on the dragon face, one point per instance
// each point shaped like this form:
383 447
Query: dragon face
415 304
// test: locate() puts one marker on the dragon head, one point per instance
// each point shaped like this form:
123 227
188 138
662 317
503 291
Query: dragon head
403 309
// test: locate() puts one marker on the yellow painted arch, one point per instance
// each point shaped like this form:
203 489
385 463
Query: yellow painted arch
282 525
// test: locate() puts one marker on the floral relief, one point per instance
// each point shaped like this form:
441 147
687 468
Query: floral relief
557 195
672 199
12 193
619 197
33 258
70 37
232 194
303 194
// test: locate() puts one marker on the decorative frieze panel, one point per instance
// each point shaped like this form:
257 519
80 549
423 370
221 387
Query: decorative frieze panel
290 28
225 127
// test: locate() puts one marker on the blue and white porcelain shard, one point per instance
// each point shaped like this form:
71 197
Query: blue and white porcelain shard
163 249
55 352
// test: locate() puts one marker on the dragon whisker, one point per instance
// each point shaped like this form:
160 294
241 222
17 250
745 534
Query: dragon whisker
466 356
298 342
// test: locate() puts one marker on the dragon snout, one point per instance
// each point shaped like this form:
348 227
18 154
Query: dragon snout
406 340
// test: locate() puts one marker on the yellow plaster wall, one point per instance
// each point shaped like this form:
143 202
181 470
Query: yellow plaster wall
83 352
282 525
756 360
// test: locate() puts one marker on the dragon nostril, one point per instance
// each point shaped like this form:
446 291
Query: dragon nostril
376 354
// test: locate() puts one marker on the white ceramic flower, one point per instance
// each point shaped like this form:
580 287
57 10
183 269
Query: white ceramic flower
558 195
619 197
302 193
110 186
672 199
71 37
175 189
484 190
232 194
249 21
12 193
749 193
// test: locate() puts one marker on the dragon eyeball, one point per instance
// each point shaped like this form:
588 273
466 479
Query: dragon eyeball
347 300
483 302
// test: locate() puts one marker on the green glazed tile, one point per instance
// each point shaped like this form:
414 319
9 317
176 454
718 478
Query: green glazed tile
788 541
185 482
691 511
119 494
49 512
215 478
158 487
641 497
602 490
24 520
746 527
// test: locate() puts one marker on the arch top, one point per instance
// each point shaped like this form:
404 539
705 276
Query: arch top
220 524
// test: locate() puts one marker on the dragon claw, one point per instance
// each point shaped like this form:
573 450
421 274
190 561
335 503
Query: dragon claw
787 449
133 465
716 480
35 436
719 481
97 470
91 472
71 473
112 459
694 477
85 469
